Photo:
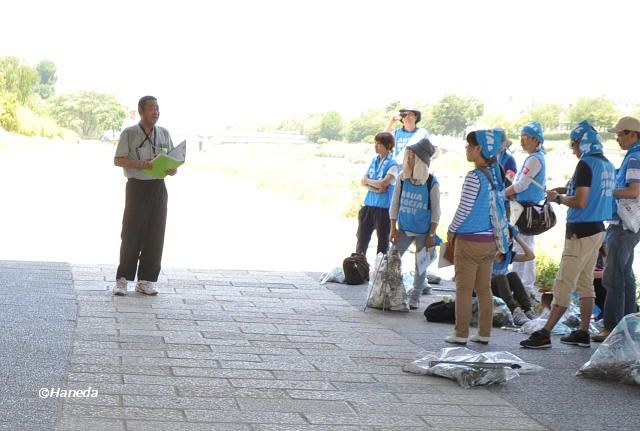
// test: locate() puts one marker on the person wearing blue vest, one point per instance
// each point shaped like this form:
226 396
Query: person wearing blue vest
618 278
409 133
473 234
529 187
589 196
415 211
509 168
379 180
507 285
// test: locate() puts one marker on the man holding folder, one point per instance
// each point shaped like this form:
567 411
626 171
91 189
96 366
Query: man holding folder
145 211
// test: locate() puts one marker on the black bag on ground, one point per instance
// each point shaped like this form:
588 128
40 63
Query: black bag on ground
356 269
441 312
536 219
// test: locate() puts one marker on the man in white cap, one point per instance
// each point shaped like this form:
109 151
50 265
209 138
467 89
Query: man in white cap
618 278
409 133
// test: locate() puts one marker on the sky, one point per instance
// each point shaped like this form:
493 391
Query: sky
215 64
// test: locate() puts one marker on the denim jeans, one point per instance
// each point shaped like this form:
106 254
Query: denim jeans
402 244
618 278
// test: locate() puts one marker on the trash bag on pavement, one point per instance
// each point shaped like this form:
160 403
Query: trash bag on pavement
386 288
336 275
470 368
501 314
618 357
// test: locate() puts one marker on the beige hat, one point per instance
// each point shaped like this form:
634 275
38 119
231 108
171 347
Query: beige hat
626 123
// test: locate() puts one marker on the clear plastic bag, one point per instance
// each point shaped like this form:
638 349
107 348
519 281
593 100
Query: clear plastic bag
386 287
470 368
336 275
618 357
501 314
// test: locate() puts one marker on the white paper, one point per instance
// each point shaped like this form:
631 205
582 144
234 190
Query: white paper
442 261
516 210
422 259
179 152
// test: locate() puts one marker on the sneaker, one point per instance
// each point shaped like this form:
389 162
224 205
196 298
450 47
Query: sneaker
538 340
578 337
433 279
531 315
452 339
426 290
146 287
414 303
479 339
601 336
519 317
120 289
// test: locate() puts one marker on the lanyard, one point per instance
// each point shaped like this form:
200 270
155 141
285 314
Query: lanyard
148 138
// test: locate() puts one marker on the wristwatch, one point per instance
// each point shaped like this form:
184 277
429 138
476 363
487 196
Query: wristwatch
558 199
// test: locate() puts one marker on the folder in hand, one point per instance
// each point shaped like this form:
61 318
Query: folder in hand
163 162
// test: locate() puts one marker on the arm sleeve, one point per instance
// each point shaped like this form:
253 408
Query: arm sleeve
633 171
395 200
583 175
434 198
530 169
470 189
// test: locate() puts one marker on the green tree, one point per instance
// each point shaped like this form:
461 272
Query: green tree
88 113
331 126
453 114
367 124
547 114
8 115
47 78
19 79
599 111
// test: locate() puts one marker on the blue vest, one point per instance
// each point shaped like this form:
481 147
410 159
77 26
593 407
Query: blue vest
502 268
533 193
404 138
621 177
479 220
600 200
378 169
414 212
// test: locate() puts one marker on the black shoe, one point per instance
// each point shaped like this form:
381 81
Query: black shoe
538 340
578 337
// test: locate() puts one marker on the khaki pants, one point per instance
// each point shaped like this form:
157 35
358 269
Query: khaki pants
473 261
576 268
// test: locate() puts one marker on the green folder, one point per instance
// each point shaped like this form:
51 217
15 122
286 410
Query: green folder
161 163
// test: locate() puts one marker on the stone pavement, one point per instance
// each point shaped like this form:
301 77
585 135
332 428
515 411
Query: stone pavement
256 350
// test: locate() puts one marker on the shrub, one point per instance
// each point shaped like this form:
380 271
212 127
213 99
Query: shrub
546 270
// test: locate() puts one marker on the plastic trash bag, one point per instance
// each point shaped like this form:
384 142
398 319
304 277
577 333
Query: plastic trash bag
386 288
618 357
501 314
538 323
336 275
470 368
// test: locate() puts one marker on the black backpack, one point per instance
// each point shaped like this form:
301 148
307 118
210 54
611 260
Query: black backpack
356 269
441 312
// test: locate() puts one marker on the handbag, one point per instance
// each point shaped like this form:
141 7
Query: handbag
536 218
629 213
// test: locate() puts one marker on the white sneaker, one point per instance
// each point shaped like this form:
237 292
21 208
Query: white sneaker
414 303
146 287
479 339
120 289
519 318
452 339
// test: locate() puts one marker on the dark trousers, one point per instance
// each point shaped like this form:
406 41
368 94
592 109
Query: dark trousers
509 287
370 218
143 225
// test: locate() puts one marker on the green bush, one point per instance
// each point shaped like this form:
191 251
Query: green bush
546 270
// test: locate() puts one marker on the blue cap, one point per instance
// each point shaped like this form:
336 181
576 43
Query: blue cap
490 141
590 142
534 129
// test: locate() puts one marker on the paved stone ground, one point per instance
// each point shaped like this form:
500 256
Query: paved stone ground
254 350
555 397
243 350
37 317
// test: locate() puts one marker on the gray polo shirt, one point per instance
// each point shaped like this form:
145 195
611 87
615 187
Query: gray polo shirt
135 145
